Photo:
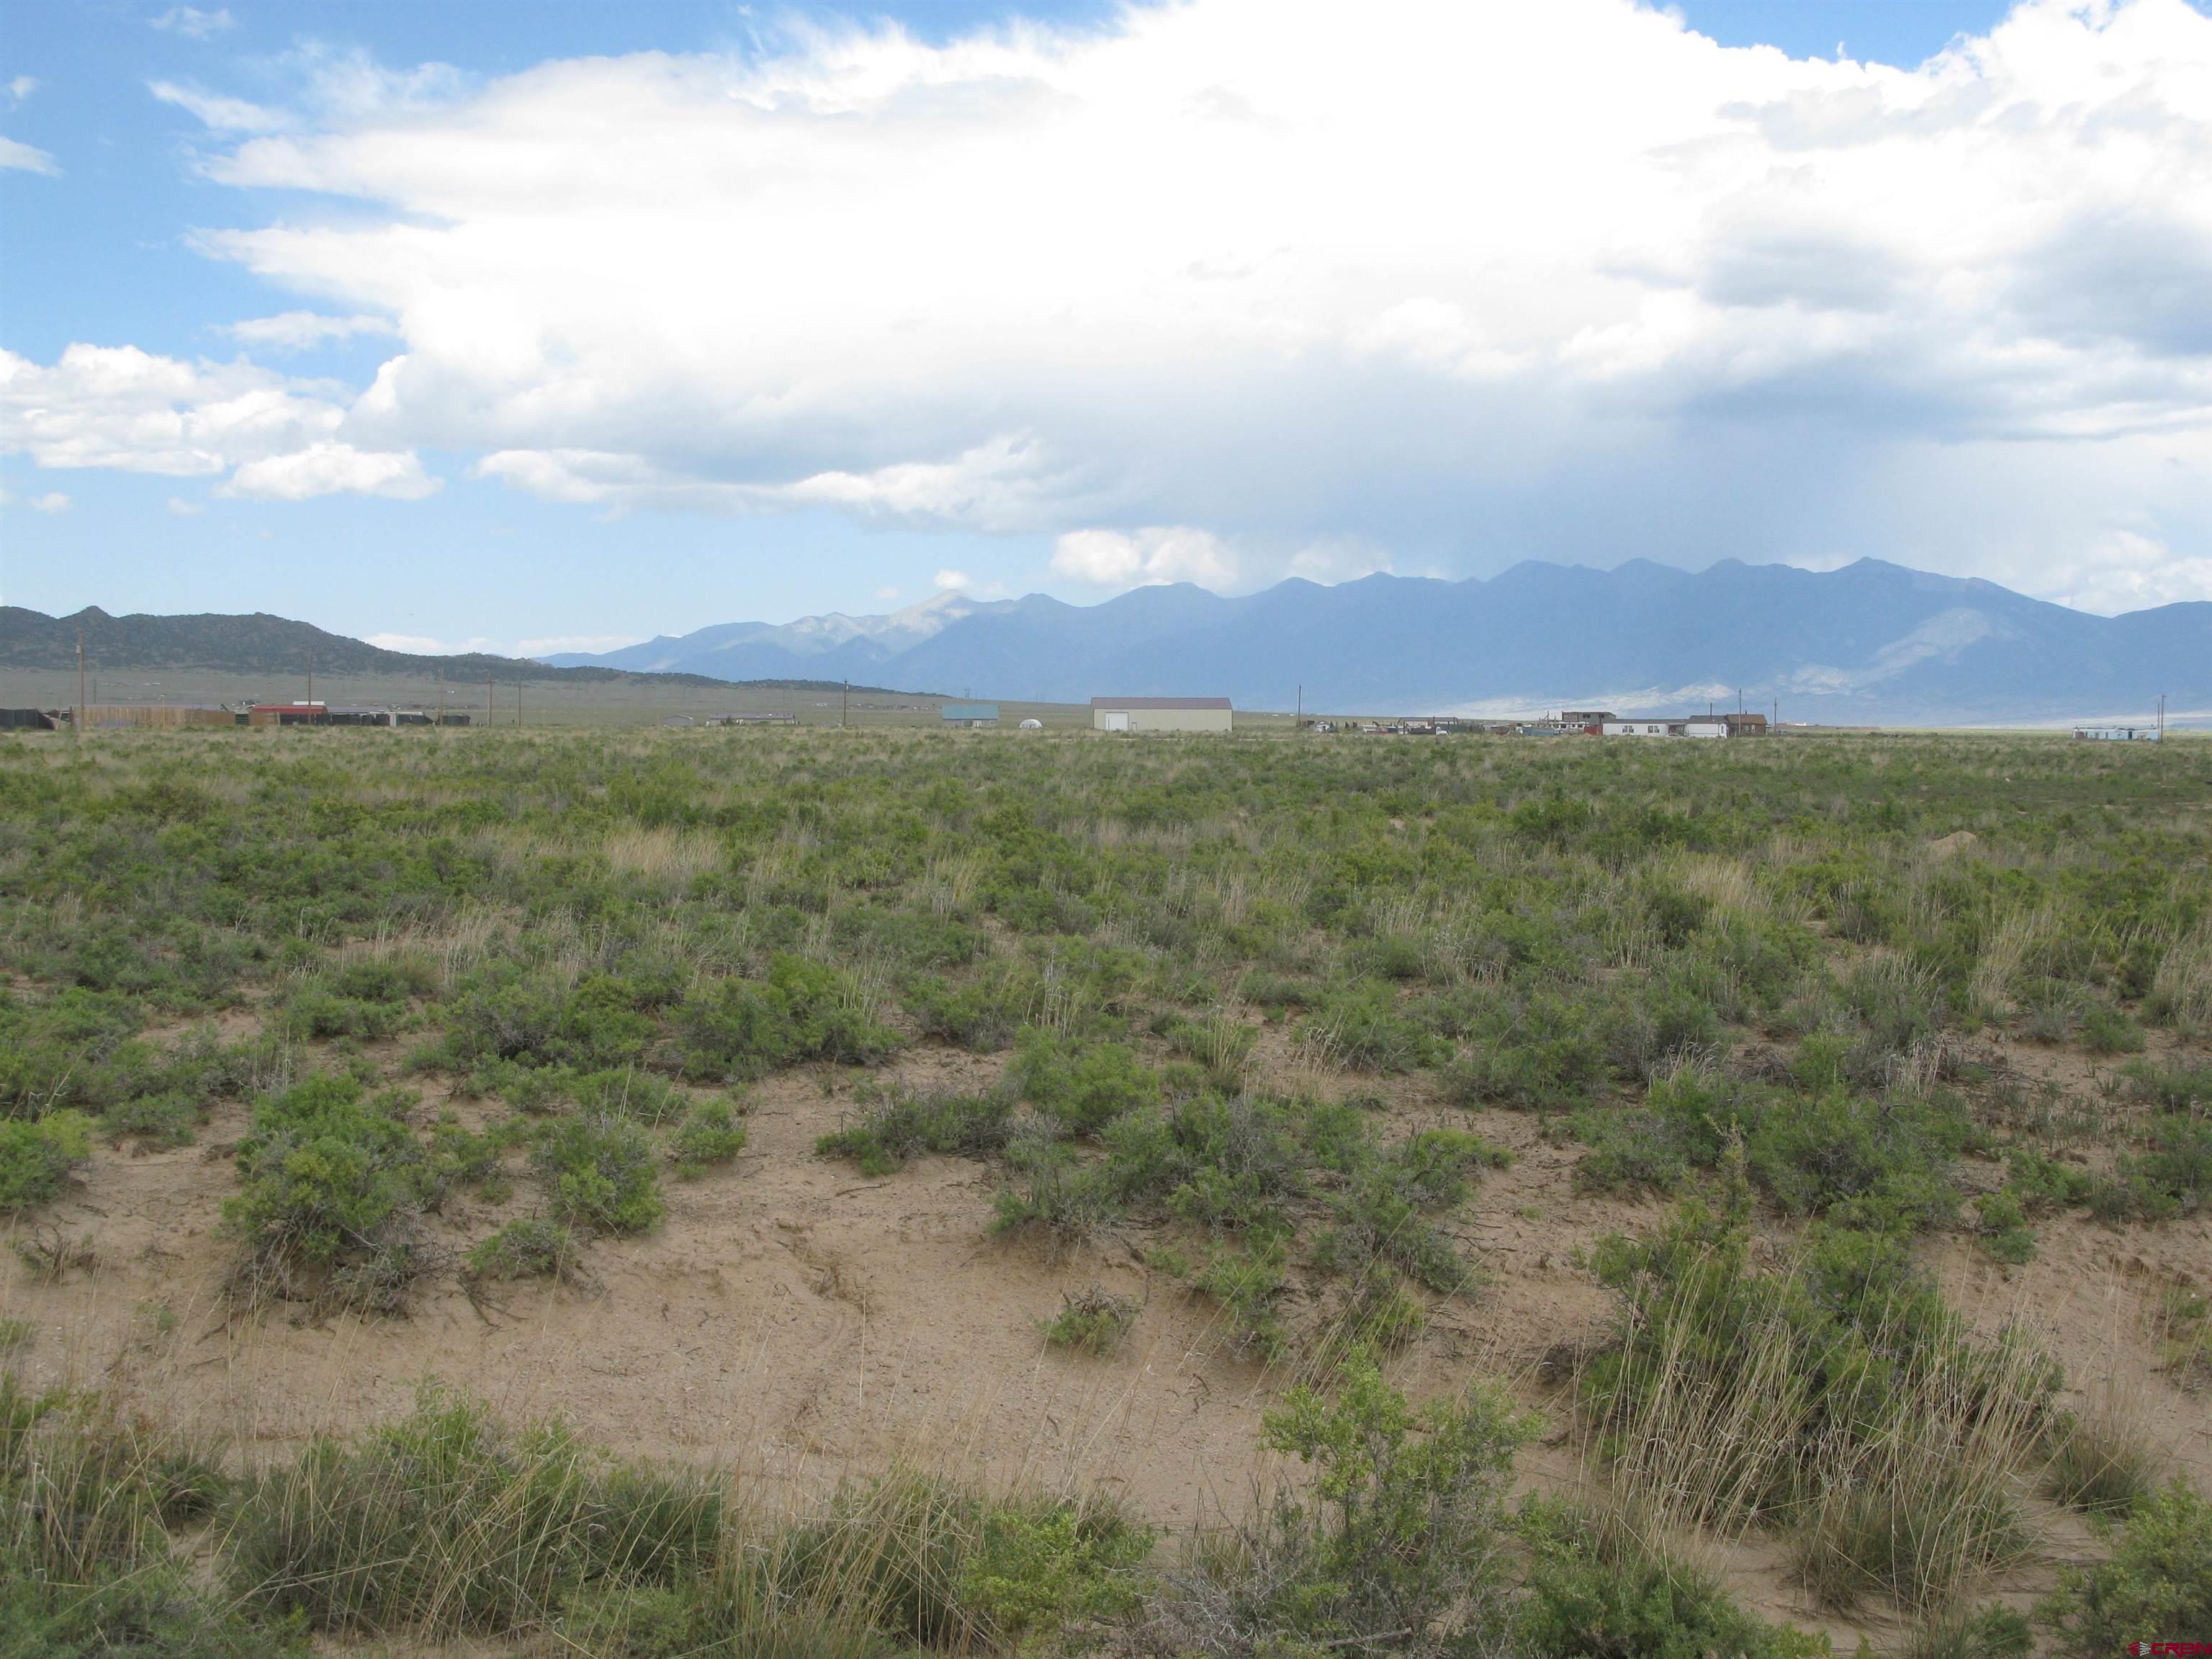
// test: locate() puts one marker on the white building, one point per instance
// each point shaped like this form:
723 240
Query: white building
2118 733
1712 727
1160 713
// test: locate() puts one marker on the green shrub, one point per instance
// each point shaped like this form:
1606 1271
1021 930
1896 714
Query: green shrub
528 1248
1647 1033
898 1124
1219 1042
1093 1322
1244 1282
1277 993
1040 1566
2108 1031
37 1157
1628 1152
1534 1071
710 1133
916 939
1596 1590
505 1011
316 1012
1233 1163
1362 1026
983 1016
1881 1164
2172 1178
2173 1088
1083 1087
2000 1222
1401 1523
742 1029
1048 1189
1381 1217
2157 1587
2042 1183
331 1180
629 1092
72 1050
598 1170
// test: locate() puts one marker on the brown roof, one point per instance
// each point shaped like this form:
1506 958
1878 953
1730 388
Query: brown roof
1159 702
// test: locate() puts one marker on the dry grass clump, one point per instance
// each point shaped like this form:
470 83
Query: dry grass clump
2100 1460
662 856
1831 1397
2181 990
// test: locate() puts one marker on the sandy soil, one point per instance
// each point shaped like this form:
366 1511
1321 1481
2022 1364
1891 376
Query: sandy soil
794 1322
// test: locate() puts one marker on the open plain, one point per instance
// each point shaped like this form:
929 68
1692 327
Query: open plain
1053 1191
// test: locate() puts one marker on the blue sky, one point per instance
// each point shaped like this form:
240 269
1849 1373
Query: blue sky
525 324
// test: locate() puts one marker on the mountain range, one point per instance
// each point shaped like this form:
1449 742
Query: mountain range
263 644
1872 642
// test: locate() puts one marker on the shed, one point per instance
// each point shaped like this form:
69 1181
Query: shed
969 713
1160 713
25 719
287 714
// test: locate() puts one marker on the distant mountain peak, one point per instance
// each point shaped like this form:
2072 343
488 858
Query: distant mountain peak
1869 642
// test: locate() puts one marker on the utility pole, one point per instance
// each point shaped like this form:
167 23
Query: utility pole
441 699
518 705
844 704
311 676
1301 725
76 729
488 705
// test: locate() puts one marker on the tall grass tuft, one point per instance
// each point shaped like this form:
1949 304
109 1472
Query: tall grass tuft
1833 1397
448 1522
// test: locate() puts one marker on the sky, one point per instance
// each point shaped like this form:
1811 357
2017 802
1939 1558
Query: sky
551 326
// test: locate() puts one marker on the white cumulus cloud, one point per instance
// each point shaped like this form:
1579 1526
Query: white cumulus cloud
122 407
193 23
1113 558
20 89
53 501
220 114
1466 283
299 331
330 469
24 158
